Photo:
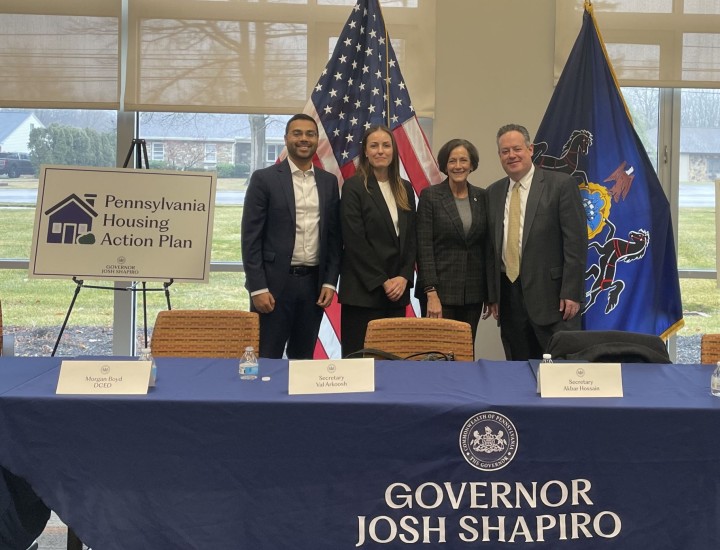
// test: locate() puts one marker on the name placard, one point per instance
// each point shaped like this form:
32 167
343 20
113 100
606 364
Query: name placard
580 380
331 376
104 377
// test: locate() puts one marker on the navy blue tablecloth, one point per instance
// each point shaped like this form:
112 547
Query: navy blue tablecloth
207 460
23 515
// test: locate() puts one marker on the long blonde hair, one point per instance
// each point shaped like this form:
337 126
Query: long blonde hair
396 184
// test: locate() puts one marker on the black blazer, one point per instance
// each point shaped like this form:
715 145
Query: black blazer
373 252
456 265
268 228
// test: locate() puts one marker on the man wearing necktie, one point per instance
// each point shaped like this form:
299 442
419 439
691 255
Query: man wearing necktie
539 234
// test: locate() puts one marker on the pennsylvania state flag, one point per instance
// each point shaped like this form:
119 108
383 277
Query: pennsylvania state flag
631 279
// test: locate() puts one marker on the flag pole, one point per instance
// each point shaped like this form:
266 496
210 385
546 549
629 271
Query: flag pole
387 78
387 66
589 8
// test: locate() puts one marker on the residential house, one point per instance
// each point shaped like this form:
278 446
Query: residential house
699 154
201 141
15 128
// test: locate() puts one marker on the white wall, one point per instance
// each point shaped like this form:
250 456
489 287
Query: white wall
17 141
494 66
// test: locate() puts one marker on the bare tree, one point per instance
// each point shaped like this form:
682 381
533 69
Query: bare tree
258 125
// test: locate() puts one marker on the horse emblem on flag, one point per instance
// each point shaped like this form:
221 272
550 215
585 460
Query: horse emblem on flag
597 202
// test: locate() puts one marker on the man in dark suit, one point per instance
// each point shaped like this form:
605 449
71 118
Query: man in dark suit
539 273
291 244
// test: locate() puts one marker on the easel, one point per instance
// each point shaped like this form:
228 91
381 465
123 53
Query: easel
139 147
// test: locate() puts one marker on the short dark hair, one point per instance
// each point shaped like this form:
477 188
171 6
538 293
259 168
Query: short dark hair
300 116
445 150
514 128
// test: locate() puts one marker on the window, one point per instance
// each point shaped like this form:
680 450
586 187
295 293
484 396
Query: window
273 152
34 308
158 151
260 58
689 174
210 153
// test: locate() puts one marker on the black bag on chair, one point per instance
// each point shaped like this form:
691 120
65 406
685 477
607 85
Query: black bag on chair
608 346
387 356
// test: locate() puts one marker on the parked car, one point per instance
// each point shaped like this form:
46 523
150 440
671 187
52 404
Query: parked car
16 164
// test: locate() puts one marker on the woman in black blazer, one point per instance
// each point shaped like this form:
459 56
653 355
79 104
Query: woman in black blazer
377 212
453 240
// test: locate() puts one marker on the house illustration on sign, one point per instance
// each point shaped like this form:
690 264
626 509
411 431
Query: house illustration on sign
70 221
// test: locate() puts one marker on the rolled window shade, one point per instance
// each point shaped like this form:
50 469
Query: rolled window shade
244 56
256 57
60 54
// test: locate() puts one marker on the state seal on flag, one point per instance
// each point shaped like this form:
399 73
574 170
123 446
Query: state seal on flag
488 441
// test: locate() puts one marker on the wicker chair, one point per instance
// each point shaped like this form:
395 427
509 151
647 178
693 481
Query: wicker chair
405 336
205 333
710 348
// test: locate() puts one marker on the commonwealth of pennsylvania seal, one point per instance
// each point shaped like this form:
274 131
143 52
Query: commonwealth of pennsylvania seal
488 441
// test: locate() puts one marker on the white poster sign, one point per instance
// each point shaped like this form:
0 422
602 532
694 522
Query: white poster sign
561 379
123 224
331 376
103 377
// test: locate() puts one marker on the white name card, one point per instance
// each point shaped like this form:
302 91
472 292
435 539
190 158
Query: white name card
104 377
580 380
331 376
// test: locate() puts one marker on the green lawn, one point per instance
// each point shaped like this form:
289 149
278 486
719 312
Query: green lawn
43 302
696 250
696 238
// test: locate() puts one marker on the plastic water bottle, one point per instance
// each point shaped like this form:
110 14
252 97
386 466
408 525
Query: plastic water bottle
146 355
248 365
715 381
547 358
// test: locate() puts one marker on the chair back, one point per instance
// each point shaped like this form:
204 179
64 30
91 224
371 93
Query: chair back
710 348
608 346
205 333
405 336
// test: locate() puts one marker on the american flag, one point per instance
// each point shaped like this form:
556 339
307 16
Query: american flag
362 85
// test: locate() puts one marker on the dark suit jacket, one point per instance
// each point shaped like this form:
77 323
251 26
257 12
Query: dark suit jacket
554 243
268 228
456 265
609 346
373 252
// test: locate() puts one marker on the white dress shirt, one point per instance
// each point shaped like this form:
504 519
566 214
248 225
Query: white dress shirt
307 217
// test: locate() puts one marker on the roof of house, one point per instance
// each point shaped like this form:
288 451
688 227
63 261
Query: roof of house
204 126
9 121
700 140
694 140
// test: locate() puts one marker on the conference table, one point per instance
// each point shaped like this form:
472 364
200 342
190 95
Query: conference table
447 455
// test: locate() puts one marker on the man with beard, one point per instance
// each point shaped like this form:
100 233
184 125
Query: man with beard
291 244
